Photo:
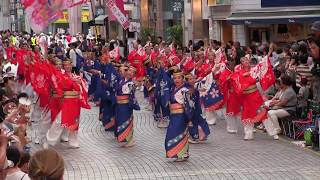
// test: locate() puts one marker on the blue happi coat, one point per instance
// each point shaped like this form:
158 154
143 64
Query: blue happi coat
176 142
197 116
125 104
162 95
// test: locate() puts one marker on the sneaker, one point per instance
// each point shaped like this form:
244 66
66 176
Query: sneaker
180 159
232 131
63 140
162 124
260 127
37 141
276 137
74 145
248 137
130 144
193 141
45 145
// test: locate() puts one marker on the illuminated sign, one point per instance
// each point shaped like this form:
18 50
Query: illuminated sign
85 15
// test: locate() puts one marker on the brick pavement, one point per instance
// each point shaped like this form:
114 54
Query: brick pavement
224 156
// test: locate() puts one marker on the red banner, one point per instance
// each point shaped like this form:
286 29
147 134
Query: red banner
116 10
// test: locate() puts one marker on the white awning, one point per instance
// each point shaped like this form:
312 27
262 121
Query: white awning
100 19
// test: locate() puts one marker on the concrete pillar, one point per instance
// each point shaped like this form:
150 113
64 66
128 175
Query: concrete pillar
216 29
197 22
144 13
5 22
75 24
239 34
159 20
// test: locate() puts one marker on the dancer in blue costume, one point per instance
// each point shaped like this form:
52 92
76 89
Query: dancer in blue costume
95 68
126 103
106 90
162 96
176 142
198 127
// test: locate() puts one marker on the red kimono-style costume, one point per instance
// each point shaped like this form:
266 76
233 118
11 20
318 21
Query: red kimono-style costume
153 56
252 99
189 65
173 59
70 109
56 99
136 59
234 99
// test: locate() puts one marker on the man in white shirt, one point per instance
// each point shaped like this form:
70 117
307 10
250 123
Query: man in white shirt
73 55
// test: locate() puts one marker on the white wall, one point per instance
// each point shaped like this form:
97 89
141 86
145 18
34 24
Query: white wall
205 9
242 5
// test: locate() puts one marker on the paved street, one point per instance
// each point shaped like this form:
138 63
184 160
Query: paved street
224 156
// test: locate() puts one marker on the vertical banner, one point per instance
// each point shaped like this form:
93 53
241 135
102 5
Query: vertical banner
40 13
118 14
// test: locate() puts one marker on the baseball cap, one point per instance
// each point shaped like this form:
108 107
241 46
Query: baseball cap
316 26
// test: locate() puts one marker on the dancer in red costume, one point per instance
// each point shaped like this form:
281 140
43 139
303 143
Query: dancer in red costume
73 91
252 105
136 59
233 99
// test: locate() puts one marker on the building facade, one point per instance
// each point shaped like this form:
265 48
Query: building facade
262 20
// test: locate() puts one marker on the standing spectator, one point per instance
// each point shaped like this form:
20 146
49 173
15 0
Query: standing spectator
46 165
74 54
122 49
314 46
303 96
3 147
303 70
13 171
316 29
240 53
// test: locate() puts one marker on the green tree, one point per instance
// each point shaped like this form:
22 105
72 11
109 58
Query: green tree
175 33
145 33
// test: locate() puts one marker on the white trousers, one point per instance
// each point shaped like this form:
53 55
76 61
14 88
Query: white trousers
248 128
57 133
214 115
41 120
232 124
275 114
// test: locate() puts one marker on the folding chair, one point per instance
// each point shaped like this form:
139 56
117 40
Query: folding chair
300 125
286 125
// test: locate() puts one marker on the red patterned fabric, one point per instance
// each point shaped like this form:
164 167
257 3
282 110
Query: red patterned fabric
267 80
136 58
189 65
203 70
252 101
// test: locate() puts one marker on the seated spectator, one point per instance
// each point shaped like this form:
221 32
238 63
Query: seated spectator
46 164
13 171
284 103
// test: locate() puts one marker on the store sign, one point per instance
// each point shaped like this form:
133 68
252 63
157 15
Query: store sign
65 18
134 27
286 3
100 11
177 6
